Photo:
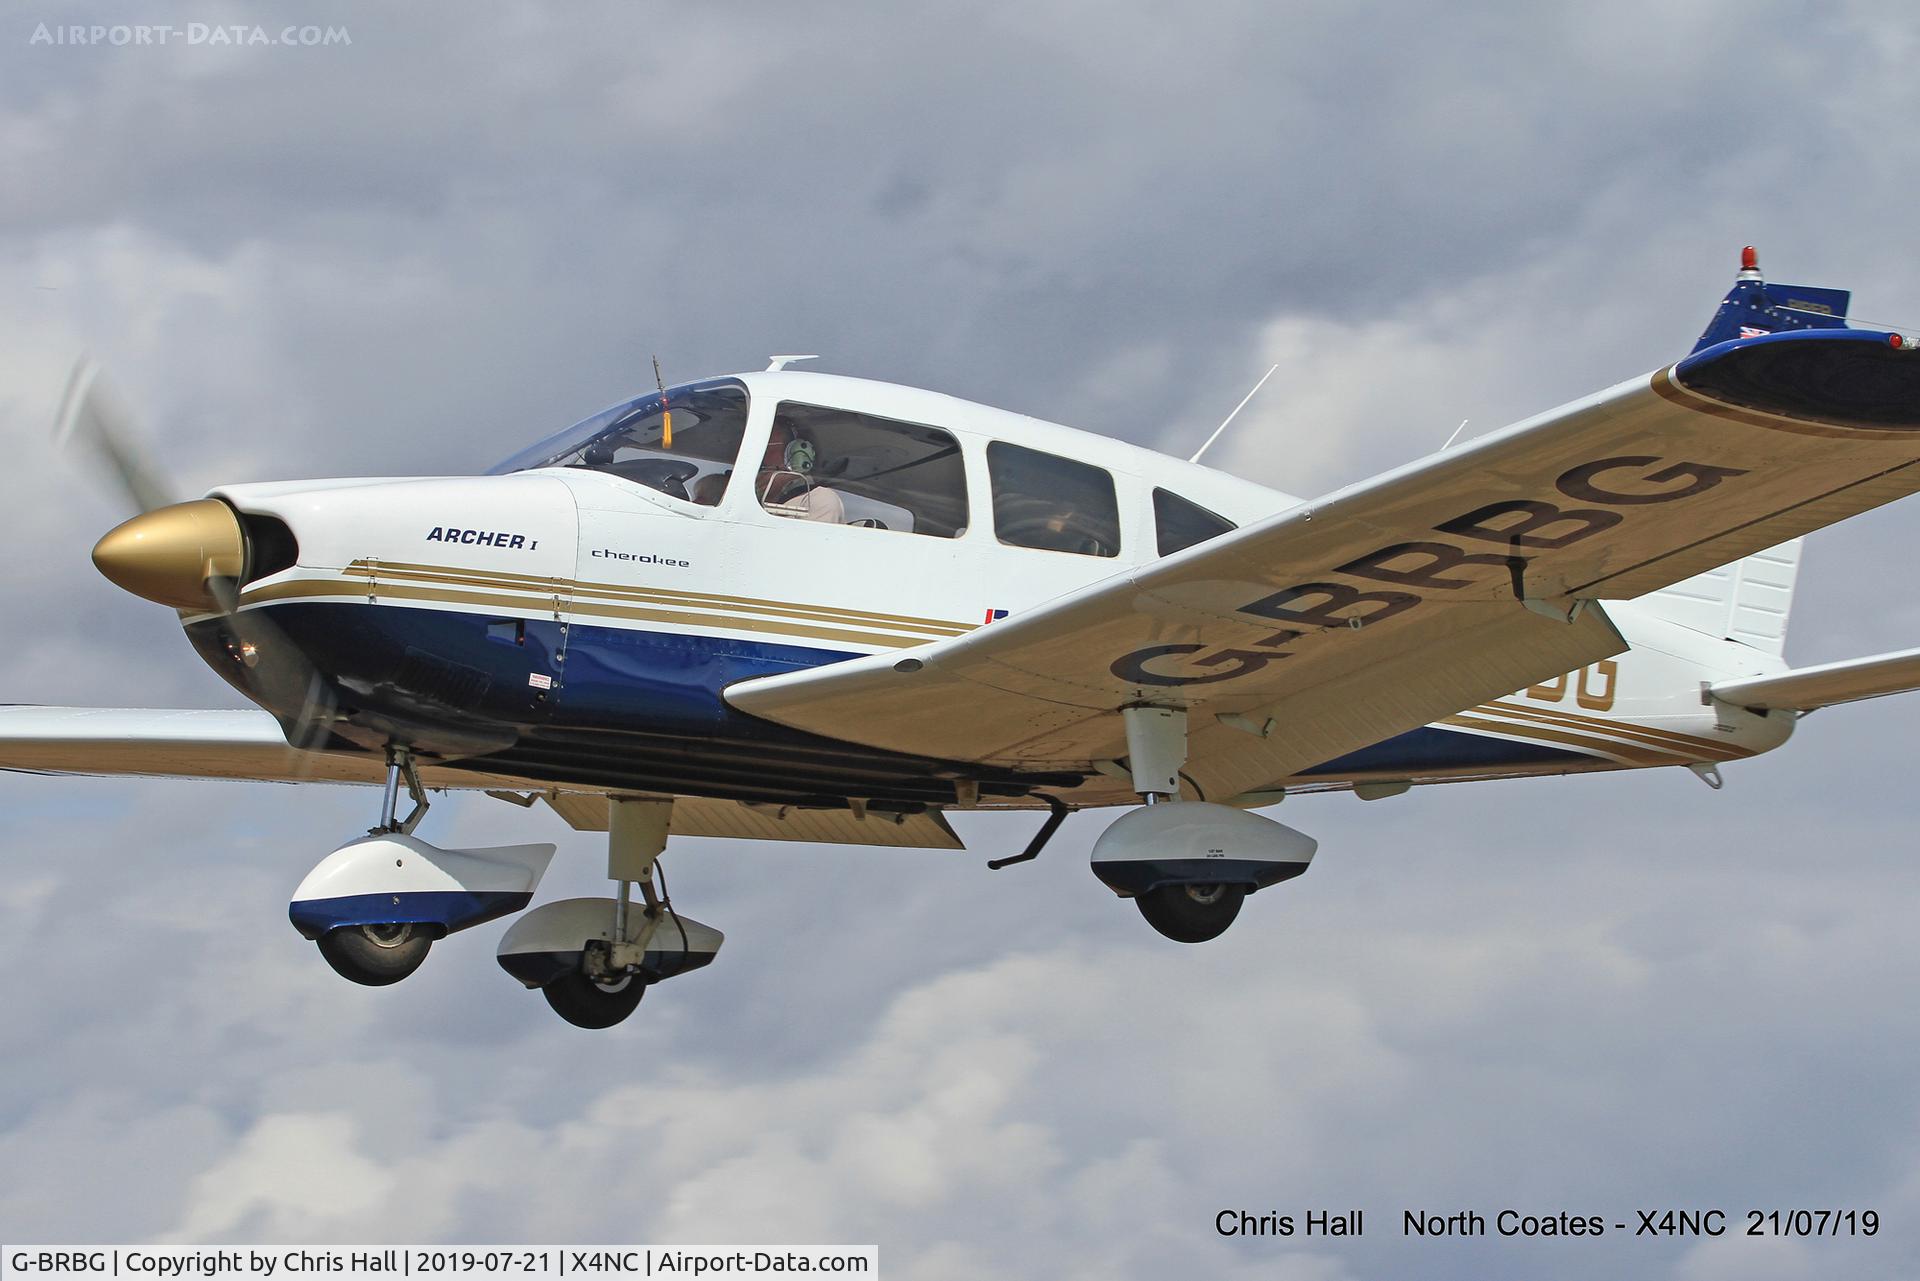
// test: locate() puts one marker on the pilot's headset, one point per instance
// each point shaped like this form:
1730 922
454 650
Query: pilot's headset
800 457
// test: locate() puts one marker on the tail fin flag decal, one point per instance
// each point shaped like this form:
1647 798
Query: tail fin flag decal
1754 308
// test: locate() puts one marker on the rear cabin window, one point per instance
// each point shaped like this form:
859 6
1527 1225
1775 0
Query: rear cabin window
1179 524
845 468
1052 503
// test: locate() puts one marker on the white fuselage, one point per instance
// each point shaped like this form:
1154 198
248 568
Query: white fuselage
622 581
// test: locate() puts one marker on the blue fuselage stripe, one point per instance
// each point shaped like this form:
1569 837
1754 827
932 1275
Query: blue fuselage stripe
581 694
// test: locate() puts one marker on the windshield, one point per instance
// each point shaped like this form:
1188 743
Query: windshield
631 441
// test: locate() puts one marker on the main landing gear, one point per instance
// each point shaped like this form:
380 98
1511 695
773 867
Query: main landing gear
594 958
1188 865
1190 913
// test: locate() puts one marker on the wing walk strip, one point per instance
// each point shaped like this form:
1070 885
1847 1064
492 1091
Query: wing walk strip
442 585
1645 746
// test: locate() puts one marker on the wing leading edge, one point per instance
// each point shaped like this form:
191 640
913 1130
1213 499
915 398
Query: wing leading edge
1415 594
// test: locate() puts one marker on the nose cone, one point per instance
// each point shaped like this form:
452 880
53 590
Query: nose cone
172 554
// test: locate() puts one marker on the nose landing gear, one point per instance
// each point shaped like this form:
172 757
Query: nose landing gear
375 905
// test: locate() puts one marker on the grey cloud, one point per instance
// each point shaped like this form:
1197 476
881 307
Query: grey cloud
472 227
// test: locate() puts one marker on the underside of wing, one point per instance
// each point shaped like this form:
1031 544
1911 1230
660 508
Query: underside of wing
704 816
174 743
1411 596
197 743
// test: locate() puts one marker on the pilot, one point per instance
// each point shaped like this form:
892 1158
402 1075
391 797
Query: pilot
786 482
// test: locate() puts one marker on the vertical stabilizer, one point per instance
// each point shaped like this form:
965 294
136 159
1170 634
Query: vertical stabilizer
1747 601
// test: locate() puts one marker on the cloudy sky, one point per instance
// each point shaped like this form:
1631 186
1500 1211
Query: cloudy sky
473 224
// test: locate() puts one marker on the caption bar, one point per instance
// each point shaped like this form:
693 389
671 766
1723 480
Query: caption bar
388 1262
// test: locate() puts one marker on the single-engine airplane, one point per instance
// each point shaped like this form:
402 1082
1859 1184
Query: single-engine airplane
790 606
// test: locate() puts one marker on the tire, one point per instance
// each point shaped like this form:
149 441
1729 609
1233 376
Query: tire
584 1003
375 955
1191 913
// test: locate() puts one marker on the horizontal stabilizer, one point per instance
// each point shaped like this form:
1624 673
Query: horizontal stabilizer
1807 688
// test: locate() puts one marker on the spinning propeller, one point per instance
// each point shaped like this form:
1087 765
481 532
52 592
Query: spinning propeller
193 556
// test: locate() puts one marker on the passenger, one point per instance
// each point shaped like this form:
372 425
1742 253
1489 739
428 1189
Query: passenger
786 484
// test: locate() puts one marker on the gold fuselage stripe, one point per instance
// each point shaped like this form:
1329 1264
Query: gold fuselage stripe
1620 751
310 588
1671 739
381 570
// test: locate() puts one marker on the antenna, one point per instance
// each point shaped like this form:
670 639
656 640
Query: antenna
666 410
781 362
1456 436
1229 418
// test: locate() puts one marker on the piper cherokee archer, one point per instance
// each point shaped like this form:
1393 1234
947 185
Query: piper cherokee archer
1017 615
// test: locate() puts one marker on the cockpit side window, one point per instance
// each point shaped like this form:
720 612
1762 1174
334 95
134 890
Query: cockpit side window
1053 503
845 468
682 443
1179 524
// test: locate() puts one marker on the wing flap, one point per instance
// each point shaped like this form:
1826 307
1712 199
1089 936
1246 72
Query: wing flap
736 820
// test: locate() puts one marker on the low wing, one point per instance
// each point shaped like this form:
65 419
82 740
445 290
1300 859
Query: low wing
171 743
1805 689
1413 595
167 743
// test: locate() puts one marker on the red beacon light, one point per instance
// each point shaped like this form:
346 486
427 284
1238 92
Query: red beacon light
1749 259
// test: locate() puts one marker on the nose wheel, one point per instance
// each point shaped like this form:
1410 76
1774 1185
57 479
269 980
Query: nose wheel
375 955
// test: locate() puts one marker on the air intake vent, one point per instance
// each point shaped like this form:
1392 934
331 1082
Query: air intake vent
271 546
